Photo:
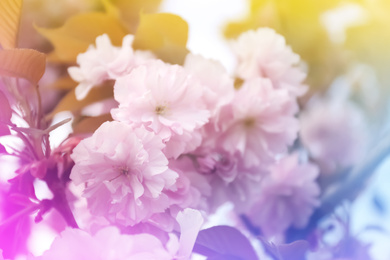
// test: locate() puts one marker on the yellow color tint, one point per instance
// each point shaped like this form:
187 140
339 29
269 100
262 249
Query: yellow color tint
9 22
299 22
80 31
129 11
164 34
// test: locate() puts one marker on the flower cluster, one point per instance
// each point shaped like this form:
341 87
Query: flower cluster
183 136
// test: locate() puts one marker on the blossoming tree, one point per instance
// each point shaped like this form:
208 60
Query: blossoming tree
162 138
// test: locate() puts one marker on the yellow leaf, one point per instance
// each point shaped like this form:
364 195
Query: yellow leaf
369 43
63 83
9 22
90 124
163 33
22 63
70 103
130 11
80 31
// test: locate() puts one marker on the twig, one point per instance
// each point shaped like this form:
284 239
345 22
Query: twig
59 201
26 141
19 214
39 113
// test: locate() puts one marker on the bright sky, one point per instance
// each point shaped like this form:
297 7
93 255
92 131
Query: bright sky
206 19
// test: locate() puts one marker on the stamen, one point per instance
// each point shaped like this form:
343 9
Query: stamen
160 110
249 122
123 170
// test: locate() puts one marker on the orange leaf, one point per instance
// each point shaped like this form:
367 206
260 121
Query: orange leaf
90 124
70 103
5 116
22 63
9 22
63 83
5 111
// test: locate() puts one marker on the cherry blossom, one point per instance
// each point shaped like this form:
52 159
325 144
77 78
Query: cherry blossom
218 85
288 196
261 123
192 189
124 172
229 178
264 53
104 62
106 244
109 244
165 99
335 133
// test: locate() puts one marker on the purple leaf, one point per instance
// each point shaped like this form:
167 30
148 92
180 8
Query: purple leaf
224 242
224 257
293 251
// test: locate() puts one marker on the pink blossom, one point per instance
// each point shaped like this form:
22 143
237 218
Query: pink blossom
179 144
264 53
124 172
165 99
183 194
260 124
99 108
288 196
190 222
106 244
109 244
239 192
218 85
191 189
103 62
335 133
220 176
229 178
